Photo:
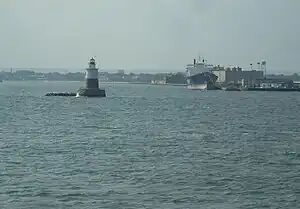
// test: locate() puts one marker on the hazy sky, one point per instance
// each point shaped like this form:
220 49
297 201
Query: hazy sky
149 34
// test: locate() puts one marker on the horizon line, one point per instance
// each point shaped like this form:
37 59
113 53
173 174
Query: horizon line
149 70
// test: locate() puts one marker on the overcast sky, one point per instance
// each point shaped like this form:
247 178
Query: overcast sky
149 34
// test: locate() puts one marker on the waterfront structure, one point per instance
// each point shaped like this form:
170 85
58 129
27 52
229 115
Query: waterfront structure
91 85
237 75
275 83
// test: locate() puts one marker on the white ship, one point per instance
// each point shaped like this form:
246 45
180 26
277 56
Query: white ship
200 77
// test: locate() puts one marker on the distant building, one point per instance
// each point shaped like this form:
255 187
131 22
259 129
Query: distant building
103 76
161 82
134 77
121 72
236 75
296 84
275 83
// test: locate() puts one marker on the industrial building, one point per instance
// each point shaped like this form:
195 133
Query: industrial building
237 75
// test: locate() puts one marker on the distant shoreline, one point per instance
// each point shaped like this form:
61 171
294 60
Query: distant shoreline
105 82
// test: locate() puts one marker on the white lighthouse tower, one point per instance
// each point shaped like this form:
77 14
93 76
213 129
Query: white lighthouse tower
91 86
91 75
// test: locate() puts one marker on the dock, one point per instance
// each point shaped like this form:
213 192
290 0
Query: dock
273 89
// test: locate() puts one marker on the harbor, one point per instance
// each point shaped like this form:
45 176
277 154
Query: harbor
204 76
266 84
199 75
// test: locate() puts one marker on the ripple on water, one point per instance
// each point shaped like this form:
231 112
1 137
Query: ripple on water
163 147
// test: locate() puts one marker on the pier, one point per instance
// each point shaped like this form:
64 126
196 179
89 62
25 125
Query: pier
273 89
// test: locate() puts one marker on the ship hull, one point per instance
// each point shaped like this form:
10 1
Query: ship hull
197 87
202 81
203 87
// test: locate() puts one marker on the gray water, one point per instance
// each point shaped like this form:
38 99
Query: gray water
148 147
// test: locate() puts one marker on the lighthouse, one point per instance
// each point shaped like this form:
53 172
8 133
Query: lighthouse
91 82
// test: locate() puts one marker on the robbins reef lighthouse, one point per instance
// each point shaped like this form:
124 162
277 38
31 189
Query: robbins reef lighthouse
91 85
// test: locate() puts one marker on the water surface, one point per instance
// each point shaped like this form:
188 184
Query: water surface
148 147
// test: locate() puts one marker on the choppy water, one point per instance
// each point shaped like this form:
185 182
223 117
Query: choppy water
148 147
